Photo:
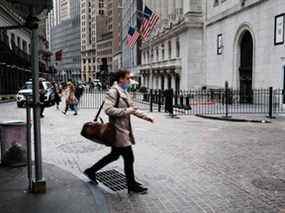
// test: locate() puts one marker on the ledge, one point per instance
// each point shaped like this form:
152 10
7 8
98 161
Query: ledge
232 119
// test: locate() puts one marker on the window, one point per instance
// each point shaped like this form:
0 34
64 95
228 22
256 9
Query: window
147 53
162 51
24 45
177 48
13 38
169 49
216 3
157 53
219 44
19 42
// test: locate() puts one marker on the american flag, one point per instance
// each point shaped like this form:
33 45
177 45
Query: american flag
133 36
149 21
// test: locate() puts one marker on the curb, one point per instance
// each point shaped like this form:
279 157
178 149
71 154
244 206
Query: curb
7 101
232 119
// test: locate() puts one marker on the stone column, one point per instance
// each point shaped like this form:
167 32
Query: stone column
163 85
159 80
142 77
164 9
151 80
179 6
186 6
171 7
173 83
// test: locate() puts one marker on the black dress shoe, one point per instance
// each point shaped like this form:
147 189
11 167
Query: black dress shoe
91 175
137 189
138 183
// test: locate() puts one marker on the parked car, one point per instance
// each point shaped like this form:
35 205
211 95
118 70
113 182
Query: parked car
27 90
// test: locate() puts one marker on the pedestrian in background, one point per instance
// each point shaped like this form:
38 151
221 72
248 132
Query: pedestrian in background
42 98
78 92
70 101
119 107
57 94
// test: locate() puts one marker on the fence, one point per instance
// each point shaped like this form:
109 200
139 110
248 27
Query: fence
225 101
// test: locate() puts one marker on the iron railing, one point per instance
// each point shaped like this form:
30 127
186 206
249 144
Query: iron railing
204 101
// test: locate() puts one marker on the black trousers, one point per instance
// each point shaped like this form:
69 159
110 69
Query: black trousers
128 156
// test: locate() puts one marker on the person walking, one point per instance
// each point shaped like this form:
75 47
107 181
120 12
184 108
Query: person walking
71 100
42 98
57 94
119 107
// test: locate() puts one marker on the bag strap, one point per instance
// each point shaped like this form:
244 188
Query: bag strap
116 105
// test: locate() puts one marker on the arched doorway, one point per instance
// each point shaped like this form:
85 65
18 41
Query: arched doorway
245 69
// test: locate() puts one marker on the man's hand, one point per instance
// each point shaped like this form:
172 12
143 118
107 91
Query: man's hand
131 110
150 119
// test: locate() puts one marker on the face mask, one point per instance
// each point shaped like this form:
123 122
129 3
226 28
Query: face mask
125 86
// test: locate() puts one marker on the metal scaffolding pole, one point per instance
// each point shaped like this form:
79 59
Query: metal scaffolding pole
39 184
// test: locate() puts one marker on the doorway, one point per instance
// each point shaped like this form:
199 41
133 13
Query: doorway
245 69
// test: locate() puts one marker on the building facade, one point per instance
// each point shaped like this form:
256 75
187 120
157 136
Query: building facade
245 43
109 39
88 11
205 43
65 38
173 55
131 16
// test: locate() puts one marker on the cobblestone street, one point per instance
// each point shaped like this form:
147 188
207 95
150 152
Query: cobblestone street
189 164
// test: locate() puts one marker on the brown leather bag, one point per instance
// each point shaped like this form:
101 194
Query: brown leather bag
99 132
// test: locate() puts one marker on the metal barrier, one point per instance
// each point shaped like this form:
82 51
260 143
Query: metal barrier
225 101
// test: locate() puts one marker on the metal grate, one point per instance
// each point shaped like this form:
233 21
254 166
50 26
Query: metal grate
112 179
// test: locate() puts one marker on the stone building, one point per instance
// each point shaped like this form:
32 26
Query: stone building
205 43
131 57
173 56
245 43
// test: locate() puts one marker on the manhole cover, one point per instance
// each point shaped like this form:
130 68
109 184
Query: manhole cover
270 184
80 147
112 179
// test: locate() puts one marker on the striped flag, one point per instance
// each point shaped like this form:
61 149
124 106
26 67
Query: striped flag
149 21
133 36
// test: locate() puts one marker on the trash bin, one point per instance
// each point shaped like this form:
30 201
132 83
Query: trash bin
13 141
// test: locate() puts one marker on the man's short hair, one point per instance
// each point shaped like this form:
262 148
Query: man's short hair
122 74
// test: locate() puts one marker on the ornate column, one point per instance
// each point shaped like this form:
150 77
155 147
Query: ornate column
164 9
186 6
179 7
171 7
143 80
173 81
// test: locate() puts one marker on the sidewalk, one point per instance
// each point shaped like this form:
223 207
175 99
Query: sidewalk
65 193
190 165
